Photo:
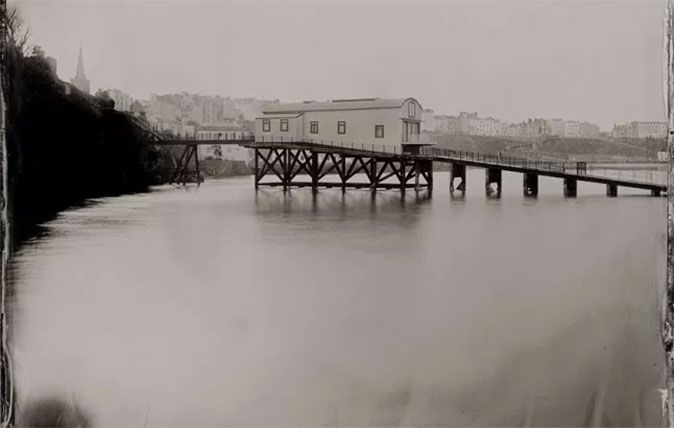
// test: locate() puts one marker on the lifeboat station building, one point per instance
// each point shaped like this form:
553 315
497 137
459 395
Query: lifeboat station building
390 125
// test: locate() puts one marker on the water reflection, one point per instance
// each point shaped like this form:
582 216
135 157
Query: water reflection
222 306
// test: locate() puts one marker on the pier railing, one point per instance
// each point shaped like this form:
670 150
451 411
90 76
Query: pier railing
500 160
166 134
579 168
380 149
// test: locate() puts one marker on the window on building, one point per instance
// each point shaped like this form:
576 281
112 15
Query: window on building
313 127
284 125
341 127
266 125
379 131
411 109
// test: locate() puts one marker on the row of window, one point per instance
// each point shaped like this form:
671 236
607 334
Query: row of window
341 128
313 127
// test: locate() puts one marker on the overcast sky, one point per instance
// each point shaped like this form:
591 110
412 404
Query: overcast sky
600 61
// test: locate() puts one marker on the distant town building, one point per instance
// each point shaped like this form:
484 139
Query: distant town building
80 80
122 100
472 124
139 108
229 110
531 128
623 131
571 129
441 123
222 151
205 109
640 130
427 121
468 123
384 124
651 129
454 125
588 130
163 108
555 127
175 128
251 108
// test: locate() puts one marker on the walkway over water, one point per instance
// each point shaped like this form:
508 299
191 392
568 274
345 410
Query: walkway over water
288 160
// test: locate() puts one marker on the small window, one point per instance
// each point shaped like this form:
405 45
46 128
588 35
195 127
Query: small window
313 127
379 131
341 127
284 125
411 109
266 125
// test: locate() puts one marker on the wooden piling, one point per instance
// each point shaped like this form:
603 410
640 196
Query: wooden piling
570 187
457 171
611 190
530 185
493 175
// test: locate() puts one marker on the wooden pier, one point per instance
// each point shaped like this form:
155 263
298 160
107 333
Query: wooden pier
300 164
293 162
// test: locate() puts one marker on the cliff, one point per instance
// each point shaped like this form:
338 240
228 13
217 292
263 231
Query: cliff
65 146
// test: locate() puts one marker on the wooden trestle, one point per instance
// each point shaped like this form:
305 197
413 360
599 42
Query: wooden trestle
310 167
189 158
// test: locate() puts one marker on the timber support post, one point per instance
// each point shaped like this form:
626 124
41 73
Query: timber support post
611 190
530 185
417 170
403 177
285 169
343 175
314 172
570 187
429 177
195 148
373 175
257 168
493 175
457 171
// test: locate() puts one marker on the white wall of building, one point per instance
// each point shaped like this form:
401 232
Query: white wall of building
360 125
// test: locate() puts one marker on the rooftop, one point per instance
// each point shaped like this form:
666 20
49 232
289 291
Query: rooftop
345 104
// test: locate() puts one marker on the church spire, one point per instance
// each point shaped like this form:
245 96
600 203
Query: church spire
80 80
80 66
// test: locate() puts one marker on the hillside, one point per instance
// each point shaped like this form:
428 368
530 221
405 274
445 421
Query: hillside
557 147
65 146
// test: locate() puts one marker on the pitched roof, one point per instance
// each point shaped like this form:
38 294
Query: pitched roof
355 104
280 115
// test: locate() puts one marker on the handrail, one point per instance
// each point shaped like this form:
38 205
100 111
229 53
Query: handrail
577 168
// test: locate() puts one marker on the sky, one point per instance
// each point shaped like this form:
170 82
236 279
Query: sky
600 61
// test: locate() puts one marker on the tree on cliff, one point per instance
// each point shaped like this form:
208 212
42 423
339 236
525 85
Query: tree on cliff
64 146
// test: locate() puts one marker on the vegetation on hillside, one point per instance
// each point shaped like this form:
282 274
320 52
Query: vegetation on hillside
65 146
557 147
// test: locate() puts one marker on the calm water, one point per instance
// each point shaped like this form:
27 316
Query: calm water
220 306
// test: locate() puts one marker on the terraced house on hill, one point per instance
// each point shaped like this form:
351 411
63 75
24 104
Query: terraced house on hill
372 123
